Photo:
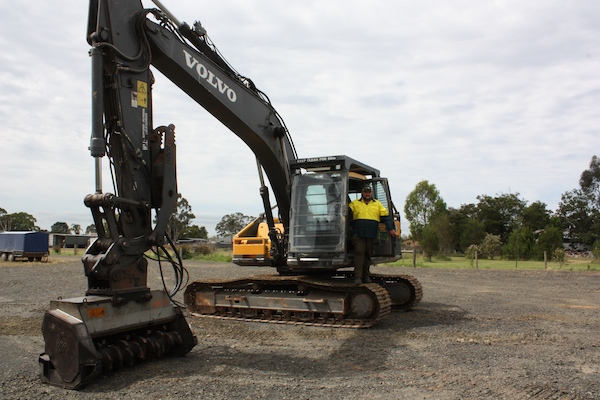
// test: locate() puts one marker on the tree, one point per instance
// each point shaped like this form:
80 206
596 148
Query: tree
180 218
22 221
520 243
559 256
430 241
60 227
596 250
458 219
555 222
590 181
491 246
441 224
471 251
232 223
91 229
579 217
536 216
550 239
194 232
4 220
422 205
579 209
76 228
501 214
472 234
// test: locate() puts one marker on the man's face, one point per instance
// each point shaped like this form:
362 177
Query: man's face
367 194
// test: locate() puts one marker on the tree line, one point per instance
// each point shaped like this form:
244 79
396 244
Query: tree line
19 221
506 224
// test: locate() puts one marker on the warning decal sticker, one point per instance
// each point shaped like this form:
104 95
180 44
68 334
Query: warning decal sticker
142 94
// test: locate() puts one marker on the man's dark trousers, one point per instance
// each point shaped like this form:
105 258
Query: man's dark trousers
363 250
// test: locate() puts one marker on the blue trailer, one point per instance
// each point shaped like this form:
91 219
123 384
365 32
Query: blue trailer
30 245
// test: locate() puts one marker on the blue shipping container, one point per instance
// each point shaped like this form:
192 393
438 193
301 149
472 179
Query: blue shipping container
26 242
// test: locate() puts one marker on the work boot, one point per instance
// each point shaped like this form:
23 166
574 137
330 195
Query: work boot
366 279
358 281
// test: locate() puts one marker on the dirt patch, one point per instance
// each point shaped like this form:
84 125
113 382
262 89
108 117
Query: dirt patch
477 334
16 326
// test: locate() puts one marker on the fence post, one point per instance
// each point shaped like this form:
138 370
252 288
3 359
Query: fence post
414 258
545 259
476 259
75 249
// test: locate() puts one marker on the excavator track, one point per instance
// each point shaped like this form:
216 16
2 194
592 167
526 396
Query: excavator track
298 300
405 291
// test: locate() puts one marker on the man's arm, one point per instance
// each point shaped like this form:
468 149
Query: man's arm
385 217
389 224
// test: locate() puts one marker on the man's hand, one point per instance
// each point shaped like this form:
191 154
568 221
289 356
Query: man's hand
393 232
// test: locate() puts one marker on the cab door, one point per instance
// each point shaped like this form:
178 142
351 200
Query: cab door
385 244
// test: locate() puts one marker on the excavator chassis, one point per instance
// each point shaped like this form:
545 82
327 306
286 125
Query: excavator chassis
304 300
86 336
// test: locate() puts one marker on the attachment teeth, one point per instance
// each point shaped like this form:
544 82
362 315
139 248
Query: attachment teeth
125 353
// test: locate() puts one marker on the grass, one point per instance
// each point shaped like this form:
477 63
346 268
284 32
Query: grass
67 252
214 256
572 264
218 256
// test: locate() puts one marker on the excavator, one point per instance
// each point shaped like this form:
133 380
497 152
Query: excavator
120 321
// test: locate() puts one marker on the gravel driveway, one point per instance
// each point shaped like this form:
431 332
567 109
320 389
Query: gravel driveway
501 334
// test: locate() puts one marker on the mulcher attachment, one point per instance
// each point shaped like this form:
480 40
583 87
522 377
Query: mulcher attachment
86 336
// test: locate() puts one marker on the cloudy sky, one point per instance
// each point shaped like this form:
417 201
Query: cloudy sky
477 97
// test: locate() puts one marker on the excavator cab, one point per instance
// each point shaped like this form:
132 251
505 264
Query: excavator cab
320 226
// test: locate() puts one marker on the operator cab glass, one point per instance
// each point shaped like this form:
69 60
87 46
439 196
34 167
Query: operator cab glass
319 209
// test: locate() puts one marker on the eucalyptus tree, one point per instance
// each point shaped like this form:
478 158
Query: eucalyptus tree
422 205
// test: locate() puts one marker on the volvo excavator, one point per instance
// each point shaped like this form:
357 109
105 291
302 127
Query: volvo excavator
120 321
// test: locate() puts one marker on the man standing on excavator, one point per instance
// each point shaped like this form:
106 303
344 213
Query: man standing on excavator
367 212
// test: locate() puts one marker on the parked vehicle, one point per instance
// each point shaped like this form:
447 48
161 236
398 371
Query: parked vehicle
30 245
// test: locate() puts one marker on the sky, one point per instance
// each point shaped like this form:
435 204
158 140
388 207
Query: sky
476 97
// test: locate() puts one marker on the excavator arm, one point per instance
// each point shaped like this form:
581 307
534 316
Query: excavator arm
120 320
126 40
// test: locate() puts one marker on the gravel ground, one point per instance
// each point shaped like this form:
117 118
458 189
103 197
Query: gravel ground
480 334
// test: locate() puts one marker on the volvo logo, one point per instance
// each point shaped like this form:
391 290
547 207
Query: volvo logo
210 77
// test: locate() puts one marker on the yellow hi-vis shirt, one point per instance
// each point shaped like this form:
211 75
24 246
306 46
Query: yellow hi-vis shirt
366 218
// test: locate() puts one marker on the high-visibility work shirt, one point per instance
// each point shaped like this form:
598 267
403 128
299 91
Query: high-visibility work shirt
366 218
